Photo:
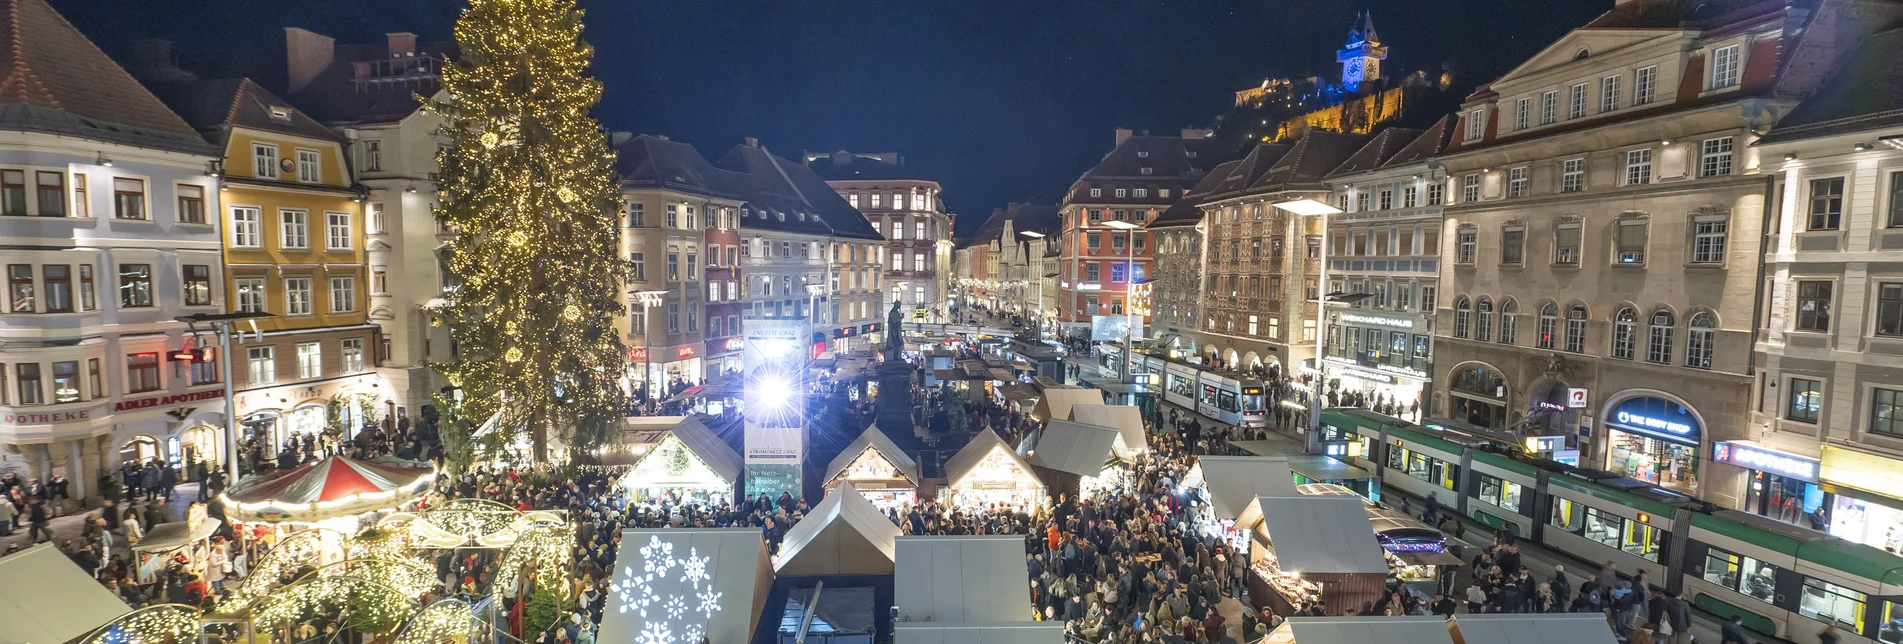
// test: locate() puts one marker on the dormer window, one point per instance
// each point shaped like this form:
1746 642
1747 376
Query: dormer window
802 216
780 216
1148 170
1189 153
1143 154
280 113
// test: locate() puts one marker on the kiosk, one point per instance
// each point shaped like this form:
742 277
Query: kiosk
986 472
1305 549
689 464
878 469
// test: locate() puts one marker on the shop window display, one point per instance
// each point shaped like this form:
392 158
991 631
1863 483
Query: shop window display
1871 524
1666 464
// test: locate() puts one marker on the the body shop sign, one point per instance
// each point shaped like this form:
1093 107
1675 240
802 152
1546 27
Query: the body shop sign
1658 418
162 401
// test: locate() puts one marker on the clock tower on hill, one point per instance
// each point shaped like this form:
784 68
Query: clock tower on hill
1361 58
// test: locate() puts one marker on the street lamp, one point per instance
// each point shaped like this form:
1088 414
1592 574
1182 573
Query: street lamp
220 324
1129 282
1313 208
647 300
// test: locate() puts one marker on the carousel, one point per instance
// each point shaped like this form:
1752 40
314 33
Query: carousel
338 492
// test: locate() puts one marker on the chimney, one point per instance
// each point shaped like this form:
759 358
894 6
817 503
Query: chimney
1195 134
750 142
306 54
401 42
616 139
1123 134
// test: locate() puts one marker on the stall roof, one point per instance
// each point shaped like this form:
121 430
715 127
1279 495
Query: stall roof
874 439
961 579
703 443
843 535
647 430
979 633
1127 419
1073 447
45 598
1320 534
1058 401
974 452
726 570
1362 630
166 537
1531 628
1234 481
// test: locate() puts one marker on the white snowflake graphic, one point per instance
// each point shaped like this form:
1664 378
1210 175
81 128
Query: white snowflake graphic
709 602
655 633
692 635
676 606
657 556
694 568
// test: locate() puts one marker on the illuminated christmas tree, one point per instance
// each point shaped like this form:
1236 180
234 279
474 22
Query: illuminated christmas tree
528 184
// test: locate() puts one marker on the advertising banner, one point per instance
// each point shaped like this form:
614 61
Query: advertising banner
1115 328
774 359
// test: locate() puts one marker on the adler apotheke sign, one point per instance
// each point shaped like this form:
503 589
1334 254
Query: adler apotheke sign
161 401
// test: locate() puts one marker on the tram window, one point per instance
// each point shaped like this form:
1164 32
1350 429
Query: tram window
1746 575
1566 515
1226 400
1446 474
1827 602
1721 568
1642 540
1603 527
1394 458
1417 466
1500 492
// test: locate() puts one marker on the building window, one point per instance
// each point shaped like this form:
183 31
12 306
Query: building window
1576 329
20 288
1386 200
1890 309
294 233
297 296
1549 107
1624 333
1483 320
1572 175
637 216
1522 113
1631 241
261 365
1509 319
128 198
1708 238
310 360
1465 241
1470 188
1638 167
1886 412
1813 305
1549 318
1513 246
1643 83
142 372
135 285
308 167
245 226
250 294
1698 340
51 195
1807 398
1123 192
1576 102
1436 194
191 202
1566 244
337 230
88 295
1658 338
1517 182
343 294
1411 196
1826 203
82 208
1094 192
264 160
379 279
1895 219
1463 314
1724 67
197 282
1609 93
58 280
372 155
205 369
95 380
1475 124
1714 157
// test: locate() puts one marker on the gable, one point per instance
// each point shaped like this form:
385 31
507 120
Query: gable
672 463
998 465
1599 45
870 466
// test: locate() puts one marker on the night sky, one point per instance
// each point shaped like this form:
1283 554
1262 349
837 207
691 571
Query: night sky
997 100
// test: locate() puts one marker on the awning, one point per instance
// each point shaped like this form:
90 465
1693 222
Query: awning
1020 393
689 392
1429 558
979 633
1001 374
712 451
44 598
1364 630
843 535
1532 628
1320 534
1058 401
166 537
961 579
875 441
1073 447
1233 482
333 487
719 576
1127 419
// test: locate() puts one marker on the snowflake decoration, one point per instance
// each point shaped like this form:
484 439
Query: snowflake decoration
709 602
647 598
655 633
675 606
694 569
657 556
693 634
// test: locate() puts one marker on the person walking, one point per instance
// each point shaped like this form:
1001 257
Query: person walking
1733 632
1678 615
36 521
7 513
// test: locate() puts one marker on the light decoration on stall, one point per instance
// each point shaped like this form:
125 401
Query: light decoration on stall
374 606
543 549
995 471
671 464
312 547
157 624
407 576
871 465
669 618
470 519
379 542
445 620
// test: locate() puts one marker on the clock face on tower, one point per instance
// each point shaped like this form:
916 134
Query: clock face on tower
1351 71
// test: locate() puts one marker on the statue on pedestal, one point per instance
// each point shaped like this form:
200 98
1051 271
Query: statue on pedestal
895 376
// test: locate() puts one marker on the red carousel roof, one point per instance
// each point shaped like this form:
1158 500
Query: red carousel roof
333 479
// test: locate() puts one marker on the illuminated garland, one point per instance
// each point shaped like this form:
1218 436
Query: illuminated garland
374 606
407 576
291 553
544 549
157 624
446 620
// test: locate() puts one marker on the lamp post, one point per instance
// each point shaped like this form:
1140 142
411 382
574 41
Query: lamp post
647 300
1129 284
1313 208
220 325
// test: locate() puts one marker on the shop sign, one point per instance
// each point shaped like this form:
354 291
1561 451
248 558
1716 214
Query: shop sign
1757 458
1576 398
845 332
735 344
684 352
870 328
1089 286
1398 323
1658 418
1416 546
45 418
1868 472
637 354
1543 444
160 401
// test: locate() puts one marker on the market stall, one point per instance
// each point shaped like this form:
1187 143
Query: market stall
689 464
1075 458
186 544
340 493
45 598
1057 401
1305 549
1127 419
1417 554
1531 628
687 584
1363 630
1051 632
843 535
878 468
1315 468
1220 488
986 472
960 579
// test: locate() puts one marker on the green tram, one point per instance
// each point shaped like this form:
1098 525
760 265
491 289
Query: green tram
1785 581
